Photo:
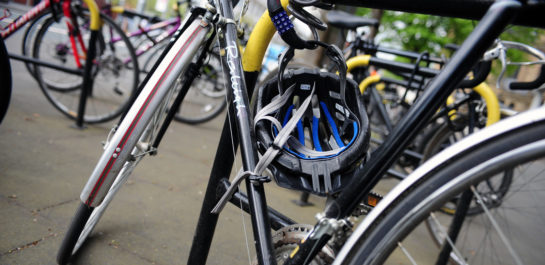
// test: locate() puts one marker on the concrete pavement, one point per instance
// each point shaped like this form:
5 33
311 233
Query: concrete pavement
44 164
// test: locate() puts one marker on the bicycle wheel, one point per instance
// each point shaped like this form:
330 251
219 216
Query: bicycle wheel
508 231
5 77
491 191
445 136
133 138
29 36
153 56
114 72
86 217
206 98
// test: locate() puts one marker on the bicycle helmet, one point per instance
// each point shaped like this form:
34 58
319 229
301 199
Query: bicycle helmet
331 137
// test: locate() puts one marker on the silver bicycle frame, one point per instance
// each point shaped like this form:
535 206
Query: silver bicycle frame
134 123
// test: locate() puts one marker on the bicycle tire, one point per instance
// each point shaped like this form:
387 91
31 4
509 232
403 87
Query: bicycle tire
206 89
443 137
29 36
5 76
152 56
61 53
437 182
115 71
206 98
86 218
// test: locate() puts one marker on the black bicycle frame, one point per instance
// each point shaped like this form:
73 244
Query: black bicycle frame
239 114
498 16
490 27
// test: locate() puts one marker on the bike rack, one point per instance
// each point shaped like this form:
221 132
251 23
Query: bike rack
85 72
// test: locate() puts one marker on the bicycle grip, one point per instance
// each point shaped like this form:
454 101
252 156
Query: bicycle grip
133 14
529 85
452 47
480 72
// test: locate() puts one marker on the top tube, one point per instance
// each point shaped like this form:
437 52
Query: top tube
530 14
20 21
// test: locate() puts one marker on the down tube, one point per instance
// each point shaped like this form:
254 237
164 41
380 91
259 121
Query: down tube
489 28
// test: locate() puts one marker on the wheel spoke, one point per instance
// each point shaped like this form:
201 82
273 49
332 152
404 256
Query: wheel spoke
494 223
447 238
411 259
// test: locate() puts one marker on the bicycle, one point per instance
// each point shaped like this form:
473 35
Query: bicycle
442 132
388 98
134 137
59 75
455 125
205 99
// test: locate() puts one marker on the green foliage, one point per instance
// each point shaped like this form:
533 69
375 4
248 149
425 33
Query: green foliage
416 32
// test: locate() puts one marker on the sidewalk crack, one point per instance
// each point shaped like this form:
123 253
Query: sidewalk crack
53 205
28 245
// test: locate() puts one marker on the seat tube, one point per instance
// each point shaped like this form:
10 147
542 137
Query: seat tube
236 87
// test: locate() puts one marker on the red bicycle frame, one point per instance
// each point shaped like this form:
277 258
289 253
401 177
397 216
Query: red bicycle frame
71 23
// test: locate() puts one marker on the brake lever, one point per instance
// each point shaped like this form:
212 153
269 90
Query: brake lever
503 61
498 52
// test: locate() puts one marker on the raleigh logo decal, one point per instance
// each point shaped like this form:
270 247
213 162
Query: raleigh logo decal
232 53
25 18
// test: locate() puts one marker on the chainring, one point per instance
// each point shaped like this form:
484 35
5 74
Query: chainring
285 240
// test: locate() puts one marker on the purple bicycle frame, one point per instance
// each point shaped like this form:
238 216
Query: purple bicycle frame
174 22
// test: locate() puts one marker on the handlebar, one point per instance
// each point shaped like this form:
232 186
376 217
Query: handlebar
132 14
480 72
534 52
529 85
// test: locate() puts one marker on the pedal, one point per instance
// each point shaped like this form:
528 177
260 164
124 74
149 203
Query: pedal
367 204
373 199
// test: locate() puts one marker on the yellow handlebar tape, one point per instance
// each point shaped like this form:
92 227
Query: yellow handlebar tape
117 9
368 81
258 42
357 61
95 14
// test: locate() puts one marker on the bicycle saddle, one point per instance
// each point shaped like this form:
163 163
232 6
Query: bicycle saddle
344 20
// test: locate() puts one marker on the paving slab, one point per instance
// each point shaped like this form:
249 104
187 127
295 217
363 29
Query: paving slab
44 164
